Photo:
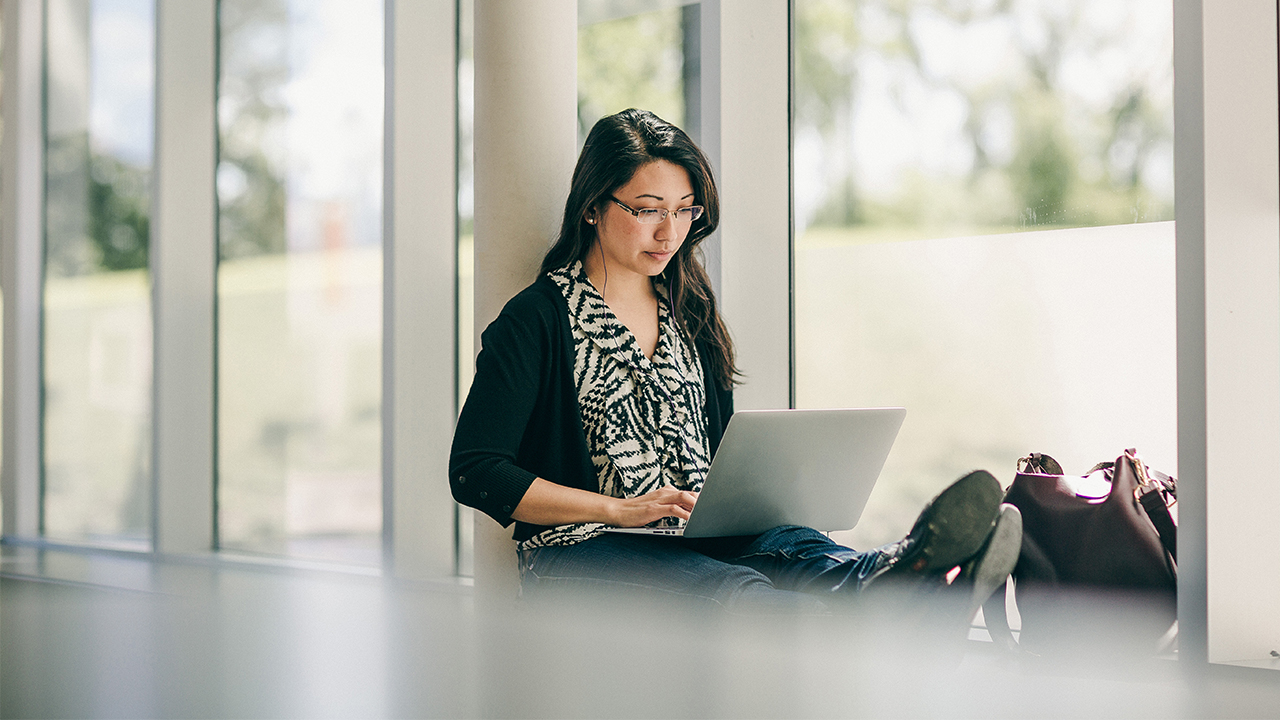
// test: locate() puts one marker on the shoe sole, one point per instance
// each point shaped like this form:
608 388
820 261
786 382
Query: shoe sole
997 559
958 522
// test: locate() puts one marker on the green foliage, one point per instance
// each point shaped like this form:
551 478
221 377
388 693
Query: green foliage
634 61
1043 167
827 40
119 213
250 220
1062 161
97 210
251 112
843 206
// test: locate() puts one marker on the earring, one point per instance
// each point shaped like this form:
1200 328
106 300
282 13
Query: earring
591 221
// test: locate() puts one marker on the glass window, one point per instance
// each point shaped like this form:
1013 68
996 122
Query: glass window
100 80
628 59
624 60
299 179
1 298
950 119
926 136
464 517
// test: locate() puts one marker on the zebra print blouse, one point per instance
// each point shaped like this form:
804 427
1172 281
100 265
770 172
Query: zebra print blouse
643 417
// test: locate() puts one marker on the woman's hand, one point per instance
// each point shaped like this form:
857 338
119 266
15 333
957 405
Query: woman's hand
661 503
546 503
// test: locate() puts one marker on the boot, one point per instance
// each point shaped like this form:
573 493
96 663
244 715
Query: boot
951 529
987 571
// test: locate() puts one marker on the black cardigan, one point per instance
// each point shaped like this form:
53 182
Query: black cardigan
521 418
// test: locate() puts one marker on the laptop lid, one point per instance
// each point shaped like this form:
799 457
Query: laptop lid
794 467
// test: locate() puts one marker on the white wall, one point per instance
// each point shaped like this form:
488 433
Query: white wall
1228 210
746 56
1242 328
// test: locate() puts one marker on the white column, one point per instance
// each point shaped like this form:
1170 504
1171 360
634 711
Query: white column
707 131
526 90
419 277
183 267
21 258
746 130
1228 236
1189 204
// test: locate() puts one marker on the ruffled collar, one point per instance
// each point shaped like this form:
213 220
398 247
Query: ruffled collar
597 321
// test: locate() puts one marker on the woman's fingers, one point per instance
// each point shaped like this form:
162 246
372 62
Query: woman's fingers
676 510
684 501
660 503
673 502
683 498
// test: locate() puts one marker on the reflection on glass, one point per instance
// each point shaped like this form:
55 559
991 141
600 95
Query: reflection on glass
99 77
300 105
926 134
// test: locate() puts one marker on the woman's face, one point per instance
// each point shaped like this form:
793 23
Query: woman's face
627 245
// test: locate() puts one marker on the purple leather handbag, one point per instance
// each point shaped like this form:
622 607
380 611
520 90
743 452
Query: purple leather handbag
1096 568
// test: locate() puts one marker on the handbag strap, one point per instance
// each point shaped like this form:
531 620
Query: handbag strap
1039 464
1150 480
1154 503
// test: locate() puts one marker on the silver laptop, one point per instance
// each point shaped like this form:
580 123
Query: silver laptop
791 467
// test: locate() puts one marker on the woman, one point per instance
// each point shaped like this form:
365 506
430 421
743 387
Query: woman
602 391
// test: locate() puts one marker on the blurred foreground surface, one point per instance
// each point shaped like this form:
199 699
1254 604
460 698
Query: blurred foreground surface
94 636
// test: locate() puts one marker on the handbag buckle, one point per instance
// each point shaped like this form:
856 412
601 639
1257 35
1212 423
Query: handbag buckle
1140 469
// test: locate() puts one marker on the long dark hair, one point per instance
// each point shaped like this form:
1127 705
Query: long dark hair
616 148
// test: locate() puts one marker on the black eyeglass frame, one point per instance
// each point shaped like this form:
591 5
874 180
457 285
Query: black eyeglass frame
660 213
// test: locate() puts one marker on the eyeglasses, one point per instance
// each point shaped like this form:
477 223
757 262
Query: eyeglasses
653 216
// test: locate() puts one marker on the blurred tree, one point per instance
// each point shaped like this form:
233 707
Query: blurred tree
254 67
119 213
69 250
1043 167
634 61
1038 155
827 42
97 210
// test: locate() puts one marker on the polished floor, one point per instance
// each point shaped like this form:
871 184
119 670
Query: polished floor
93 635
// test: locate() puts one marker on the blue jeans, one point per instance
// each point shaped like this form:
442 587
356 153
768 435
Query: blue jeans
788 569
